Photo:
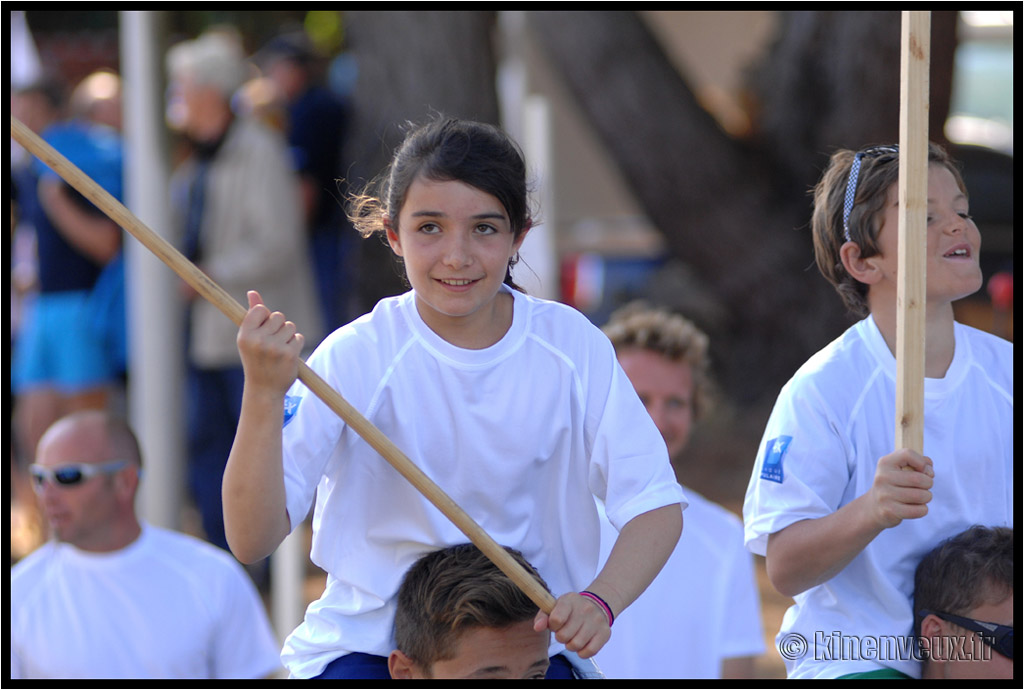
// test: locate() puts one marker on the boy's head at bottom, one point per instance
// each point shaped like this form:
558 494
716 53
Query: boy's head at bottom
460 616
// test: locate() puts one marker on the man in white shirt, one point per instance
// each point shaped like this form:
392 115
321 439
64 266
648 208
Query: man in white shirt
111 597
701 616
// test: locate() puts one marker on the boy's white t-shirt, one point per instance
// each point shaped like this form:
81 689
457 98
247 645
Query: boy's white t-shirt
831 424
702 609
521 435
167 606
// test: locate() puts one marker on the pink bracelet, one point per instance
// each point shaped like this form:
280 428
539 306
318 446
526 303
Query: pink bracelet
602 603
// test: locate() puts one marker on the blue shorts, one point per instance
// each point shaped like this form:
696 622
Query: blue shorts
372 667
59 347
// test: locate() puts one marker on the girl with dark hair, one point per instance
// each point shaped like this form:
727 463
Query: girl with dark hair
515 406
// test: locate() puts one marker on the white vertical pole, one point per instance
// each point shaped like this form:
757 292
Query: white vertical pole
539 274
527 119
288 565
155 317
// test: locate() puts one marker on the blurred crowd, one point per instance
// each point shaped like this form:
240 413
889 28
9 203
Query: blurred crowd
255 203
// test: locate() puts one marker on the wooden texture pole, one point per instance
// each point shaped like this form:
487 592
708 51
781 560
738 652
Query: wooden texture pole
913 229
206 287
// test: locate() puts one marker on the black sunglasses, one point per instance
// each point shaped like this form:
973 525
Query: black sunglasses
998 637
71 475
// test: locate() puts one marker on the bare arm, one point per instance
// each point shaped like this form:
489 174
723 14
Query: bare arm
639 553
94 235
256 518
810 552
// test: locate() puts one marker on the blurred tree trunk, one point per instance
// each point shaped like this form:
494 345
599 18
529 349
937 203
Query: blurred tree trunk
841 71
736 212
411 66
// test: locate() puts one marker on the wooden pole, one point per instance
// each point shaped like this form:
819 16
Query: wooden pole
236 312
913 228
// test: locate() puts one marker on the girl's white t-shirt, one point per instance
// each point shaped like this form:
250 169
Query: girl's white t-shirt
521 435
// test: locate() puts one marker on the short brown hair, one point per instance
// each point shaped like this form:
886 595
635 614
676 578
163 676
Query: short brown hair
877 174
965 571
641 325
450 590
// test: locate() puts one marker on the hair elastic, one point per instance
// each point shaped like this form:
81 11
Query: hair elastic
602 603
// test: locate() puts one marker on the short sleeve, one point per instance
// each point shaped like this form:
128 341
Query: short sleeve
630 468
801 471
311 433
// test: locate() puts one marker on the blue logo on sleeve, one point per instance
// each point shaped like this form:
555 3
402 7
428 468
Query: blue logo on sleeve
771 468
291 405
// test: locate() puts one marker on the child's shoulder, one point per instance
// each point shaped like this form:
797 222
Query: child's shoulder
562 326
838 376
382 329
987 352
982 342
553 315
852 352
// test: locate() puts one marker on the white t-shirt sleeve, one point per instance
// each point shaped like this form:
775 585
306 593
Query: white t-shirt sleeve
311 432
630 469
801 471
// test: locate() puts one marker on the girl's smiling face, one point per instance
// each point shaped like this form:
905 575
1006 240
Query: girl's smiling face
456 242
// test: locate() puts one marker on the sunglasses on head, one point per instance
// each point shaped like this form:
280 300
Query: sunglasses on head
72 475
883 153
998 637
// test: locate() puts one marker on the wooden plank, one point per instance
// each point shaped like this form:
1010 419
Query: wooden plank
913 229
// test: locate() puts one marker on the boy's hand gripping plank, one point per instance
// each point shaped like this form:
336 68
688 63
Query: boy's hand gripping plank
206 287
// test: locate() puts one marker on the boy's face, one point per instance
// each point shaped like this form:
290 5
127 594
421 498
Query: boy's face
954 242
965 656
517 652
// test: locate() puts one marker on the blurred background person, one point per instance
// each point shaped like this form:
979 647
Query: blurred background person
314 123
112 597
701 617
238 213
63 360
37 103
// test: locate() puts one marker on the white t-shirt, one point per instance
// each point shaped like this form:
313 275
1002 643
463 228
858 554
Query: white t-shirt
702 608
167 606
521 435
831 424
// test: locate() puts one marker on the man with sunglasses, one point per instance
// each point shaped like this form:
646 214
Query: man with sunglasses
963 604
112 597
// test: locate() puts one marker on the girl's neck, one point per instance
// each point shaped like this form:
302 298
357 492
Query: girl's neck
477 331
939 341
